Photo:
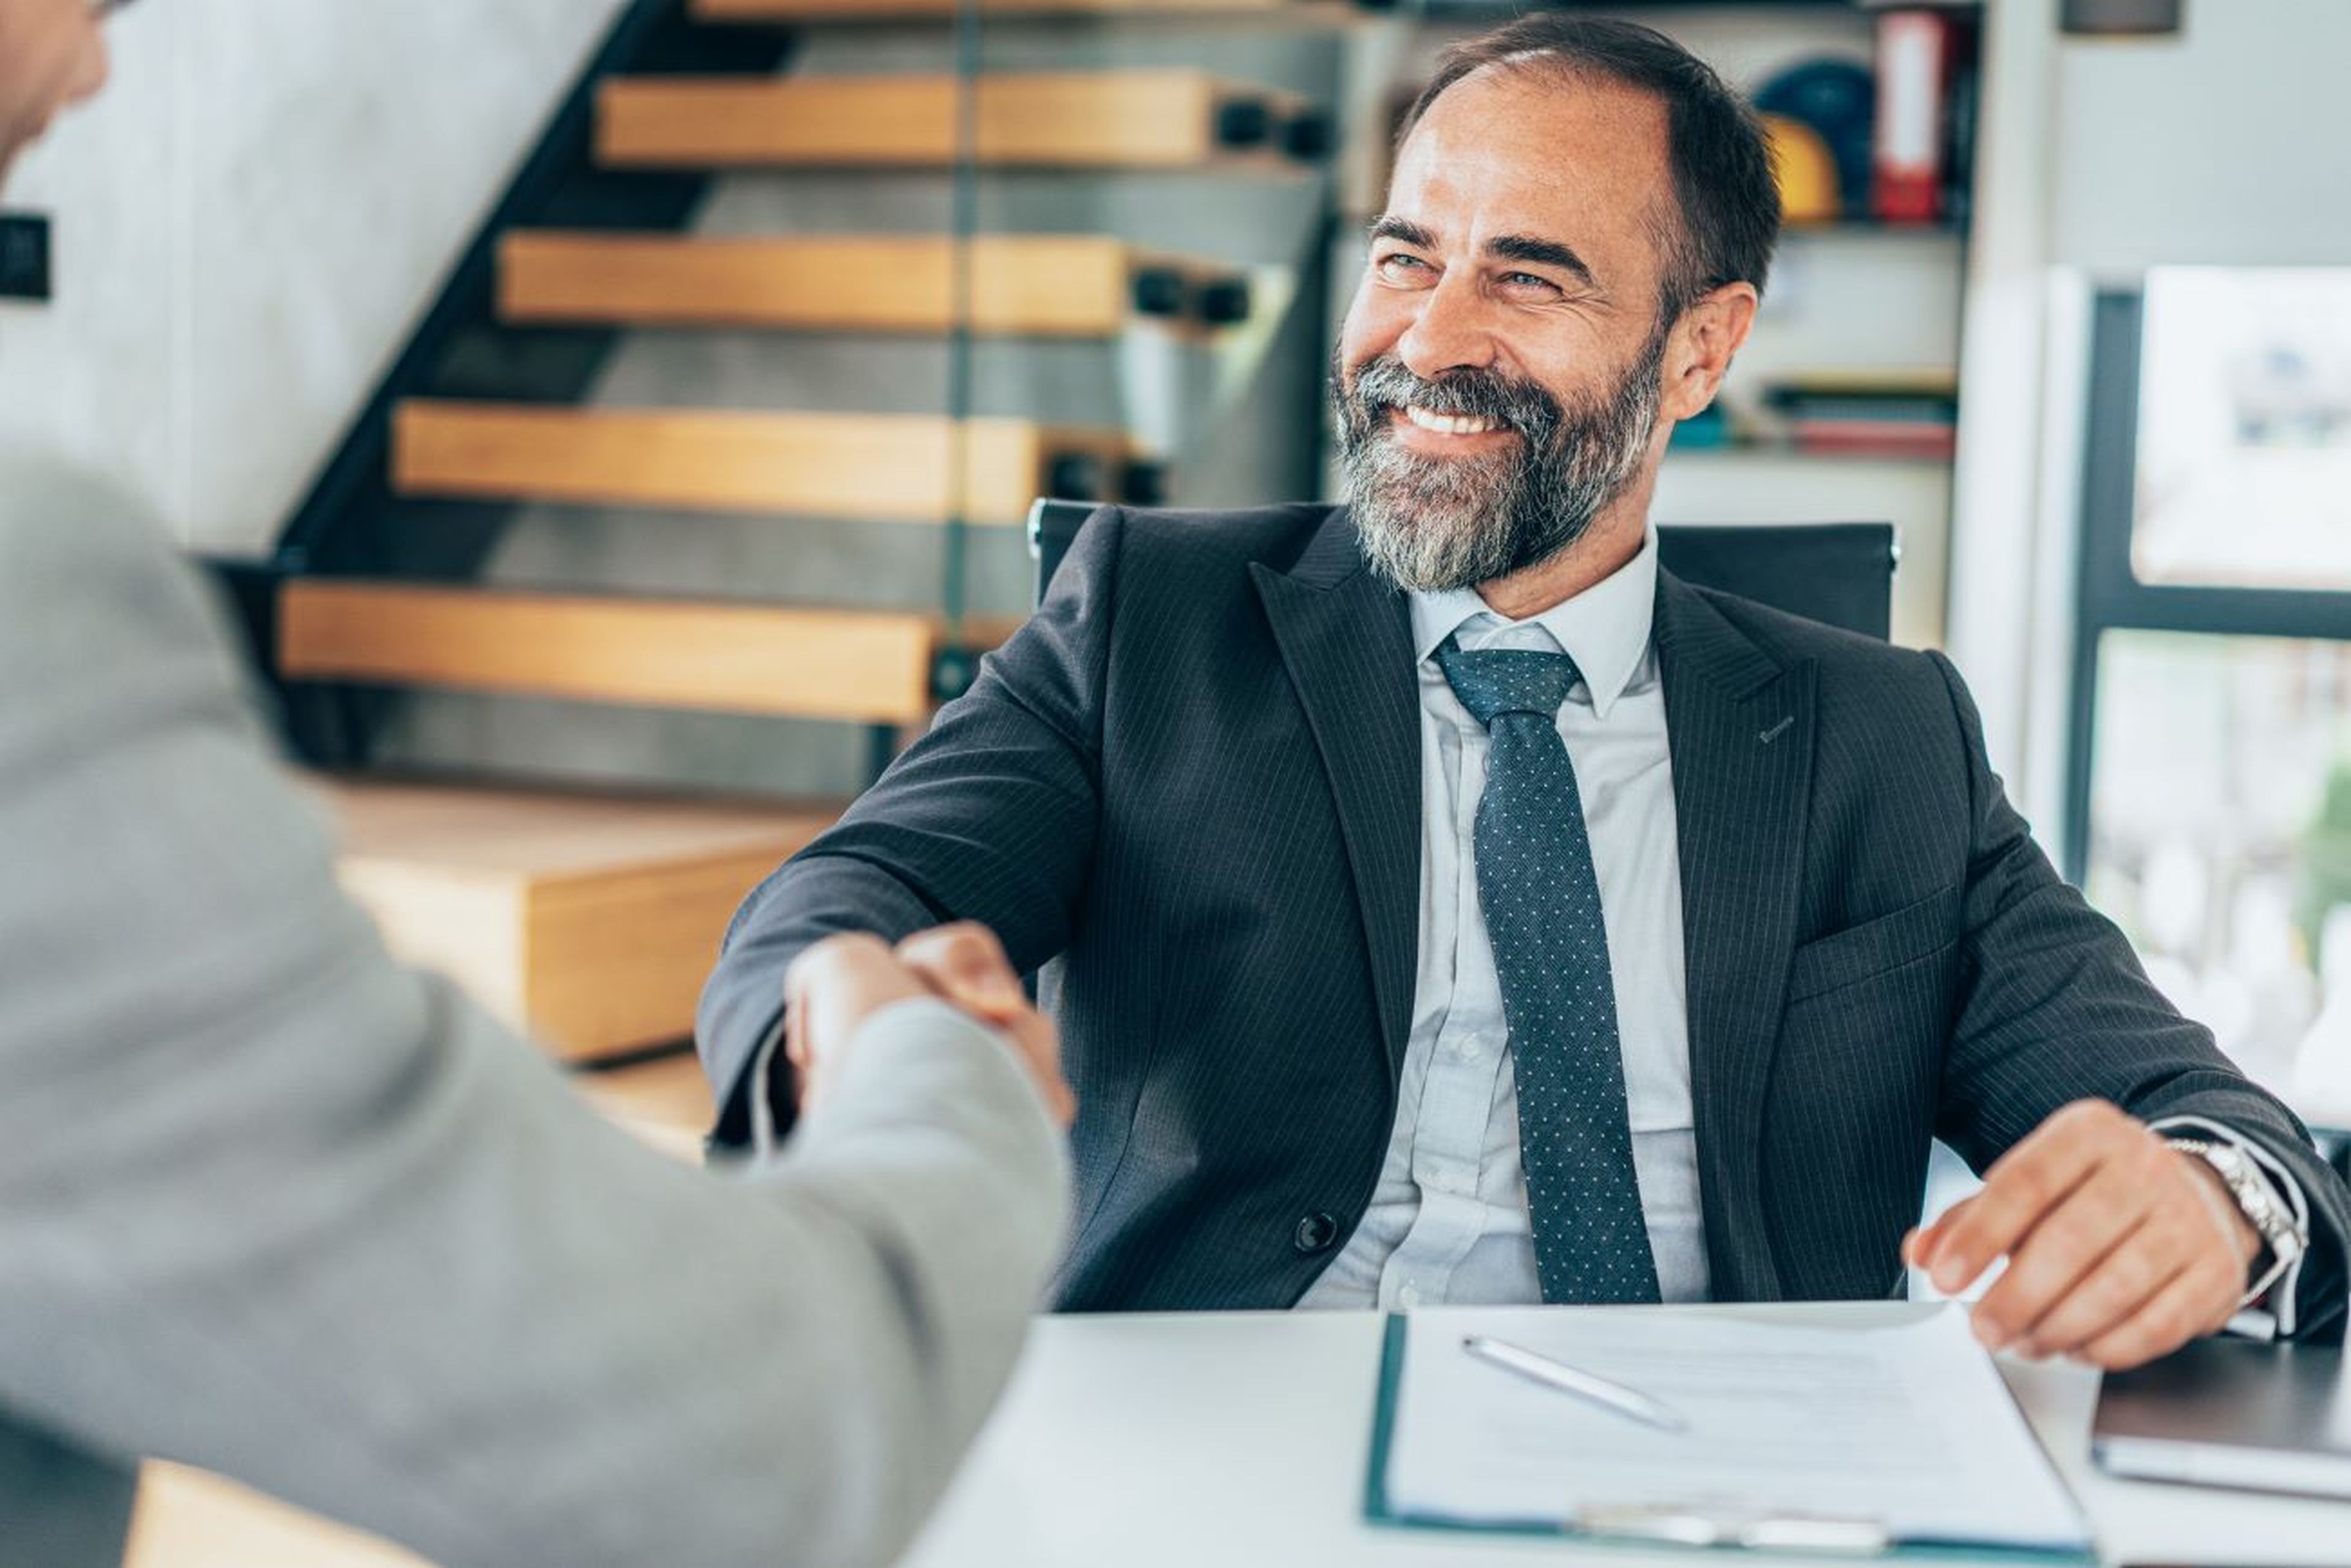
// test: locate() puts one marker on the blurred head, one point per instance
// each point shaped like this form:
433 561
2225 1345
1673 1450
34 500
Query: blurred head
52 55
1576 238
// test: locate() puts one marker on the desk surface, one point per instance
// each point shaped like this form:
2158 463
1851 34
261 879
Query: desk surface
1239 1439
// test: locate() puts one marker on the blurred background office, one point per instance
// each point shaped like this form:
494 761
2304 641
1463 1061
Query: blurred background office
615 417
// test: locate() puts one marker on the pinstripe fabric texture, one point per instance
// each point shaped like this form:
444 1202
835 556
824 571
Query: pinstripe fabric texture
1188 791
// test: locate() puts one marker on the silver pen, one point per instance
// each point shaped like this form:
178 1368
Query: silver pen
1593 1389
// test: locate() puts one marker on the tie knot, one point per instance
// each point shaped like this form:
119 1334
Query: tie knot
1492 681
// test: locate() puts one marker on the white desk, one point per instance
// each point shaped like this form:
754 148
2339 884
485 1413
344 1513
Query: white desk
1237 1440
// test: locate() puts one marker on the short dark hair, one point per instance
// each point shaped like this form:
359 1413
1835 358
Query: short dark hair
1723 180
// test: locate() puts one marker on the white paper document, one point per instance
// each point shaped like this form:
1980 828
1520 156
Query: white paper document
1907 1426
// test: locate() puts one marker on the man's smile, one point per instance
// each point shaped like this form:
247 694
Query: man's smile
1419 429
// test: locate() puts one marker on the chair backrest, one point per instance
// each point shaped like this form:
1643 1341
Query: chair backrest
1840 574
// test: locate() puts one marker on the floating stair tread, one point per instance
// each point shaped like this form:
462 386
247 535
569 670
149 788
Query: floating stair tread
589 921
869 666
1046 285
857 466
1122 118
550 835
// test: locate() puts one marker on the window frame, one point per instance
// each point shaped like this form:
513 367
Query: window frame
2109 597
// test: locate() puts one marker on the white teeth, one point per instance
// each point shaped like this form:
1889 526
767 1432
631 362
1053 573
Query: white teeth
1449 423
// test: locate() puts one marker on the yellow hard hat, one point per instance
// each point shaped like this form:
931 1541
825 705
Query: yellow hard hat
1807 171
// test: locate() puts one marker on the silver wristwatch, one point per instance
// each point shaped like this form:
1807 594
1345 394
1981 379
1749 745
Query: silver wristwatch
2282 1238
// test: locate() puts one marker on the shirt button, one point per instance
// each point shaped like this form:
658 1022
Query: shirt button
1315 1233
1408 1297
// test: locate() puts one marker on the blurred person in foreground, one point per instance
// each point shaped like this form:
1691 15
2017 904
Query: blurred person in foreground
1443 903
272 1205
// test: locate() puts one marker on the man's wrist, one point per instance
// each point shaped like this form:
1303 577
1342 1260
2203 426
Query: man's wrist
2252 1249
2265 1230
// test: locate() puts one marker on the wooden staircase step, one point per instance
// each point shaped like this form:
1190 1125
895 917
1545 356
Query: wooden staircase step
589 921
868 666
1061 285
892 467
1107 119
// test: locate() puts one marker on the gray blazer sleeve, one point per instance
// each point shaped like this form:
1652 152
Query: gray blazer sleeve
275 1206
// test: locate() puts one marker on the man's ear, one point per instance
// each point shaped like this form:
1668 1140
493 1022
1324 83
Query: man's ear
1710 334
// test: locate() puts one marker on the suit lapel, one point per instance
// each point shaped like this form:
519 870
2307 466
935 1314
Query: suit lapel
1740 731
1346 640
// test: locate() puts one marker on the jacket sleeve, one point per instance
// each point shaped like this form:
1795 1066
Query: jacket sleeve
2055 1007
990 817
277 1206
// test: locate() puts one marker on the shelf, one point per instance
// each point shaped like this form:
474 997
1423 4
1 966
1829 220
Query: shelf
1872 228
1788 451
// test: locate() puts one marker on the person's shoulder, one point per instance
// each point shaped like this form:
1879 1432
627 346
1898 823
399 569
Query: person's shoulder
88 578
1852 666
64 528
1220 539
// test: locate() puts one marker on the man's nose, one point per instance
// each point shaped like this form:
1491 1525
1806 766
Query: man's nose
1450 331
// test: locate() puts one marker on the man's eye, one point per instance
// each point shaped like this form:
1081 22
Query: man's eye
1396 261
1528 280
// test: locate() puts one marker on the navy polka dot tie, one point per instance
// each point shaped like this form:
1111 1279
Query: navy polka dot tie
1542 902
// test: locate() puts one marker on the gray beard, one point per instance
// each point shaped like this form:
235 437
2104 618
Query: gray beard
1432 523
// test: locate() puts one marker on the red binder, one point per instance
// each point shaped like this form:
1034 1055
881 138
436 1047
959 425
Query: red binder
1917 57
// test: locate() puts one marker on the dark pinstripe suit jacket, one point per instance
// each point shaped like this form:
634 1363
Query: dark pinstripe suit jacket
1190 790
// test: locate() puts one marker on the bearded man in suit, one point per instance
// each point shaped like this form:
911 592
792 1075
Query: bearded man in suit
1444 904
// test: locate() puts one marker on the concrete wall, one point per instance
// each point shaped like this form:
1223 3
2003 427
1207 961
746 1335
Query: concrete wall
2222 146
248 222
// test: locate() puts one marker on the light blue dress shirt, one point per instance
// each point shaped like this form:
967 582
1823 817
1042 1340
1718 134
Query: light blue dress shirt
1448 1223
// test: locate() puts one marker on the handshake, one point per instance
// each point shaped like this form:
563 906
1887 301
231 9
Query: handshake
833 988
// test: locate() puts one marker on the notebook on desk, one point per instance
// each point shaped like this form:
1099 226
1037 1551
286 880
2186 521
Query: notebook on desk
1887 1439
2231 1413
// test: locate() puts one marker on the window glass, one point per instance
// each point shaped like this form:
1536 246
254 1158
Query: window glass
2221 843
2245 440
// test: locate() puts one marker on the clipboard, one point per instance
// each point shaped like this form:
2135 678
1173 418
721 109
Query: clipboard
1687 1525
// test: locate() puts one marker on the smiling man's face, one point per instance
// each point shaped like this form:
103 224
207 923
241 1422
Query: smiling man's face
52 55
1498 374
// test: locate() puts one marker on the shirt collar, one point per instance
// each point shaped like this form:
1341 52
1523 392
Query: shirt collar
1604 629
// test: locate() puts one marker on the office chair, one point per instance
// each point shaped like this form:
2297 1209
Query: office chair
2334 1143
1840 574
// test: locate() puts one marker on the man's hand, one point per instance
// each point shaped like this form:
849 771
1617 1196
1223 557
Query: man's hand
833 986
829 991
965 964
2120 1247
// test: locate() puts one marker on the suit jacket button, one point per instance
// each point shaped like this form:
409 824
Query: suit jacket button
1315 1233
